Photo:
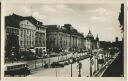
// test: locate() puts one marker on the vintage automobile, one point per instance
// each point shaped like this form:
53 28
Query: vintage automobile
57 64
66 62
15 69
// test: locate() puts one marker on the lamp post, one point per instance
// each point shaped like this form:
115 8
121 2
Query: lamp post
71 60
62 54
71 65
49 59
79 68
91 64
90 68
58 54
56 71
48 53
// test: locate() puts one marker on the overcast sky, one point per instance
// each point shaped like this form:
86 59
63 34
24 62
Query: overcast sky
101 19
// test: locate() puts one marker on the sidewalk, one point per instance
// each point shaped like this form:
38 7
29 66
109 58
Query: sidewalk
105 67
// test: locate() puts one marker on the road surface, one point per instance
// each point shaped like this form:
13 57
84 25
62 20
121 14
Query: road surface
66 71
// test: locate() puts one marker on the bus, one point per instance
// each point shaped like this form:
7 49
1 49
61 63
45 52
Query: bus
17 69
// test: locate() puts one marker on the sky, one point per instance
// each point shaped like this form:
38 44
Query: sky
101 19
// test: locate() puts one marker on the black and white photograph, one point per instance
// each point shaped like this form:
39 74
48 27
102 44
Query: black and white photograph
64 40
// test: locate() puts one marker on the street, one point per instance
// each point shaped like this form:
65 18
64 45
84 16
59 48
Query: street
66 71
39 62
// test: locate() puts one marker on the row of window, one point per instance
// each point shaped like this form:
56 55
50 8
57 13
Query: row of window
15 67
26 26
40 28
12 30
27 32
26 43
40 50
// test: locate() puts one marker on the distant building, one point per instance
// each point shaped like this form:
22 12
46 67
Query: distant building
118 44
97 42
116 39
91 43
31 33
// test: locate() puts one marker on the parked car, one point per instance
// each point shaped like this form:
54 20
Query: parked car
17 69
66 62
57 64
46 66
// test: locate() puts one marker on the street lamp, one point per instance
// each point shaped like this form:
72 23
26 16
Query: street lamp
48 53
71 60
91 64
58 54
56 71
79 68
62 54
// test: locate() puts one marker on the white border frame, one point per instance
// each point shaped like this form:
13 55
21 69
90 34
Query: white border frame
3 5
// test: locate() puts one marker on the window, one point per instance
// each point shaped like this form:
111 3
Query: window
8 68
21 42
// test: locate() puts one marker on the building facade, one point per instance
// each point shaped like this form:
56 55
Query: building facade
91 43
64 38
31 34
26 35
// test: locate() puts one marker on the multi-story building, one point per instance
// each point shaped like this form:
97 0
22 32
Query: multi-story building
63 38
54 37
31 34
26 35
40 39
11 34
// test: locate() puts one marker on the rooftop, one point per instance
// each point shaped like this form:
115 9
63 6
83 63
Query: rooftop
14 20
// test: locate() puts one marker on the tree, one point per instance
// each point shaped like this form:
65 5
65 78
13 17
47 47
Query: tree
121 17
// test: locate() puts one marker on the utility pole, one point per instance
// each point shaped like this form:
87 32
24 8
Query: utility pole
49 60
35 64
71 68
